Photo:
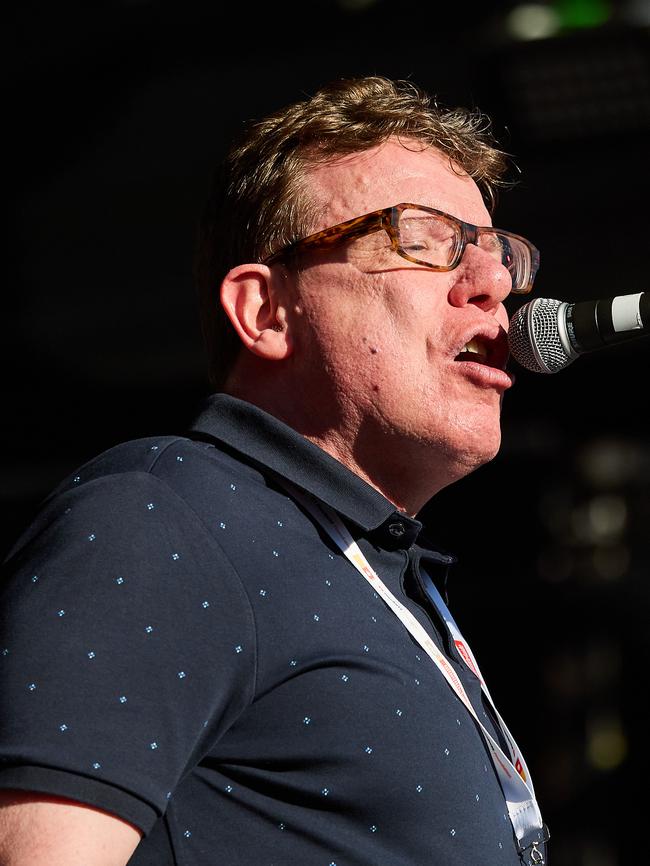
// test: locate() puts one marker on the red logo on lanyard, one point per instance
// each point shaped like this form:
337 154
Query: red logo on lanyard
519 768
460 646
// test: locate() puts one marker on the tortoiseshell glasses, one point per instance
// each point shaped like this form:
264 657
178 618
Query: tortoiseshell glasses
430 238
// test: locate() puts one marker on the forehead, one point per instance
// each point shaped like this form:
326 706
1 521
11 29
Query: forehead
393 172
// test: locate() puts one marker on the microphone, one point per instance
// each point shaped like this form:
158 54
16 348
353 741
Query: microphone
546 335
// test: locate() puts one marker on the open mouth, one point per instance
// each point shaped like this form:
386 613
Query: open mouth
480 350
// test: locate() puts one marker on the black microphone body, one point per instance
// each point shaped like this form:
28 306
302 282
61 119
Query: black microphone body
547 335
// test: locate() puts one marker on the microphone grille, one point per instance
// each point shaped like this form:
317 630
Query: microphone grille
534 337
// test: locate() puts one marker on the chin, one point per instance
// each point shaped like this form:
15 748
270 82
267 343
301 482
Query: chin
470 462
476 447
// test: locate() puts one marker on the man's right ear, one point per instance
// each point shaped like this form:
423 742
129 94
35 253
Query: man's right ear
257 310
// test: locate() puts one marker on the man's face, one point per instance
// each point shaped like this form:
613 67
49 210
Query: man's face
380 340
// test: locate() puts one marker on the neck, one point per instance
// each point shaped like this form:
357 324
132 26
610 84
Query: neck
407 476
406 471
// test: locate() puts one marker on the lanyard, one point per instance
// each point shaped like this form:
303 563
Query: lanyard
516 758
511 769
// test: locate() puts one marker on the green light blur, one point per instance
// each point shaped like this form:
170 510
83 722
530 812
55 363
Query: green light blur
582 14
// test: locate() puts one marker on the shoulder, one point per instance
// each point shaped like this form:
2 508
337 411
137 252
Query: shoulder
127 522
152 457
143 489
180 464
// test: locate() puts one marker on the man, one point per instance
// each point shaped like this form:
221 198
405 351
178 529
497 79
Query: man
231 644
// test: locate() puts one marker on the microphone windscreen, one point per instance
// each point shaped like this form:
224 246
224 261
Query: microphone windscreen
534 337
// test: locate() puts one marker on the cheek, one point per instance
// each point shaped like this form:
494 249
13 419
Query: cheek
340 307
370 328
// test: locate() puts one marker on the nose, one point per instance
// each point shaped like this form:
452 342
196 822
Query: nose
479 279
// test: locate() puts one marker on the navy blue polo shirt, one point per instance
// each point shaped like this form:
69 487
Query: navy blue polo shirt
184 647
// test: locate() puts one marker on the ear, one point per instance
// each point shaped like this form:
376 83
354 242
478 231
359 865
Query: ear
255 303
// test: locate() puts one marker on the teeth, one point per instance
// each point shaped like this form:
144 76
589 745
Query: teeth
474 347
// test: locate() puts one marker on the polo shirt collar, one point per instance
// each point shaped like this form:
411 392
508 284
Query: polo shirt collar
276 446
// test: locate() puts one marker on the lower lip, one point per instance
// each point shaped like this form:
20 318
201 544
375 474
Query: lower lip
485 376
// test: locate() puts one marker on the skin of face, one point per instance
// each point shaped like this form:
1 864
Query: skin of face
369 366
377 336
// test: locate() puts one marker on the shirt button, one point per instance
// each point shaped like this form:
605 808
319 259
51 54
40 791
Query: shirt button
397 529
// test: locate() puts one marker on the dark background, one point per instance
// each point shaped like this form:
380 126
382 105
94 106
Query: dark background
114 114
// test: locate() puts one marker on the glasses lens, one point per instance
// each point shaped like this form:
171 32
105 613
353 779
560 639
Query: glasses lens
428 237
513 255
516 257
437 240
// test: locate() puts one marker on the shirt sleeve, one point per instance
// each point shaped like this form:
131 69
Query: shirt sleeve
121 647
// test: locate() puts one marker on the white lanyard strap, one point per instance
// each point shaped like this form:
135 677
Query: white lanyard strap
511 770
465 652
